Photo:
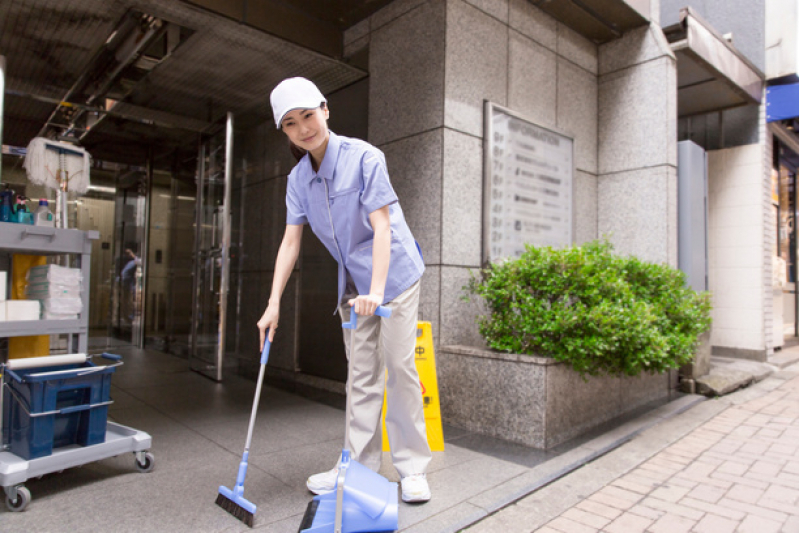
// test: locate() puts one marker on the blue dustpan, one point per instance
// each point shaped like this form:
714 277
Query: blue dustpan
369 503
364 500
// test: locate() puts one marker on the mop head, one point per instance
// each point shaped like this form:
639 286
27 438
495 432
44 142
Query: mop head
44 158
237 506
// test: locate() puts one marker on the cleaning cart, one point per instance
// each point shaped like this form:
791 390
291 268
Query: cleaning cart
54 408
55 417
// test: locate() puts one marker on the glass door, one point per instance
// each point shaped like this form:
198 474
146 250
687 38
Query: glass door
212 253
127 311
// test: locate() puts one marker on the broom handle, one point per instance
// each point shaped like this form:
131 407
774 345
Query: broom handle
264 359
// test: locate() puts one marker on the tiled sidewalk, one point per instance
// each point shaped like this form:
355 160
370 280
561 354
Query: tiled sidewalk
737 472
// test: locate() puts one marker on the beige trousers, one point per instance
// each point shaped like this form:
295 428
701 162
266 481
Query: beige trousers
380 344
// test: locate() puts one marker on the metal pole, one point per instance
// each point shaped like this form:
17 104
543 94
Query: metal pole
144 204
2 115
225 246
197 262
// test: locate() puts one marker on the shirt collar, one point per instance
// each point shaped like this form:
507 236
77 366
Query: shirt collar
328 166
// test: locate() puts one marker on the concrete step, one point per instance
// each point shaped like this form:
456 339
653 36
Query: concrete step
727 374
785 357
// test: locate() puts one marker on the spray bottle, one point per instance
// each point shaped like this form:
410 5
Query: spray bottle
21 211
6 207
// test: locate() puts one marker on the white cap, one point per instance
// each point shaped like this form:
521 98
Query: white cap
294 93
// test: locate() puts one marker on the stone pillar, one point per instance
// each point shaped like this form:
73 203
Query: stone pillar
637 185
406 121
432 64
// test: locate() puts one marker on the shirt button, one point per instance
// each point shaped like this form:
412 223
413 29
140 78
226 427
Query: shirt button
318 180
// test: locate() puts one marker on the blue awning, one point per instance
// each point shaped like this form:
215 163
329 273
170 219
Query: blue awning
782 102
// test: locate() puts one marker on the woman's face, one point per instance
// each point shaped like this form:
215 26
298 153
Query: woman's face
306 128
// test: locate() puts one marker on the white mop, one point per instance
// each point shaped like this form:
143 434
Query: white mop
58 166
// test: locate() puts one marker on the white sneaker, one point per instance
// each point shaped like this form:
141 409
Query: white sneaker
415 489
322 483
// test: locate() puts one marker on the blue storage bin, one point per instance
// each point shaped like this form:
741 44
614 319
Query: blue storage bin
55 407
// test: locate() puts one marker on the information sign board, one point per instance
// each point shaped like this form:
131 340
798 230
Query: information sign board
528 181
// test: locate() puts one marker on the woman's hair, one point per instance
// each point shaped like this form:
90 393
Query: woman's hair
295 150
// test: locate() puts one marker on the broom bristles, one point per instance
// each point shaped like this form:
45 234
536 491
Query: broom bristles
235 509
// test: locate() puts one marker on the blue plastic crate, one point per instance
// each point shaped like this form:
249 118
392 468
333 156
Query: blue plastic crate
55 407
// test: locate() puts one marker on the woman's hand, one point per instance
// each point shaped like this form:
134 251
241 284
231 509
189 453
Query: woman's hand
269 322
365 305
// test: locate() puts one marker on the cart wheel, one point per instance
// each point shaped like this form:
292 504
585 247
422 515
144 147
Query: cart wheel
149 463
21 502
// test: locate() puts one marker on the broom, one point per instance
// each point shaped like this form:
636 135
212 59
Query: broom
233 501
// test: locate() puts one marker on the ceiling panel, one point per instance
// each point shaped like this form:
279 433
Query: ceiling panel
223 66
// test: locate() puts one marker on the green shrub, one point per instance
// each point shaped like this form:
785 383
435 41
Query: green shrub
598 312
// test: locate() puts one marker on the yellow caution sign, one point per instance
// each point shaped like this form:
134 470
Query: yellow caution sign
426 367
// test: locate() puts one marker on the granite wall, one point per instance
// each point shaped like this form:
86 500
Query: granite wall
431 65
535 401
637 149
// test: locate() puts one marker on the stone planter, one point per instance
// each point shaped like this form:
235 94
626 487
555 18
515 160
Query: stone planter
534 401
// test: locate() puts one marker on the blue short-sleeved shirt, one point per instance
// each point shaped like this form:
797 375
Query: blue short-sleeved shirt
352 182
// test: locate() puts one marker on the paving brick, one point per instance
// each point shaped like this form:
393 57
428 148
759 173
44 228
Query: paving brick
718 480
715 524
707 493
782 450
734 468
752 509
757 448
709 459
586 518
673 508
787 480
675 458
769 433
679 482
671 493
744 431
547 529
712 508
758 524
633 486
598 509
639 478
564 525
669 523
744 493
782 494
786 508
748 481
792 467
736 458
663 462
604 499
792 524
646 512
620 493
628 523
765 468
658 477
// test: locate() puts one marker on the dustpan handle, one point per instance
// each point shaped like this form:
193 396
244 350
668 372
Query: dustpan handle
384 312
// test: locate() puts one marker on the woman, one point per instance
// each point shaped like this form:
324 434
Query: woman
340 187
